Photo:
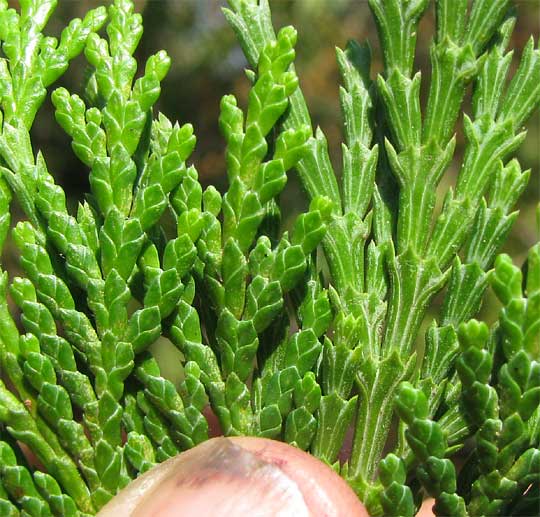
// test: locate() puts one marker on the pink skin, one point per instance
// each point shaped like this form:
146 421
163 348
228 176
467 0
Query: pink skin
426 510
237 477
233 477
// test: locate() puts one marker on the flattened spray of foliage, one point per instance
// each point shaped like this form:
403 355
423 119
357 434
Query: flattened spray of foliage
281 341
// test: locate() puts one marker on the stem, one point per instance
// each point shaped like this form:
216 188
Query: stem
414 282
378 382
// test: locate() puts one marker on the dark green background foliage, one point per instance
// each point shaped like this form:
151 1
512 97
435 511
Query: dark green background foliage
207 63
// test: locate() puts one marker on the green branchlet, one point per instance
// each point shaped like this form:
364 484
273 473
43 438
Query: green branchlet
280 340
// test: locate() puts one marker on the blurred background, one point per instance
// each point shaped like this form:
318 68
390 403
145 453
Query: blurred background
207 63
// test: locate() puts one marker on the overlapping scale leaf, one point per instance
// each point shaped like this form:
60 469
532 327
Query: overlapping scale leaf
436 473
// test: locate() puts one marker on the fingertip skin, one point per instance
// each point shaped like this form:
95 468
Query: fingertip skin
238 477
325 492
